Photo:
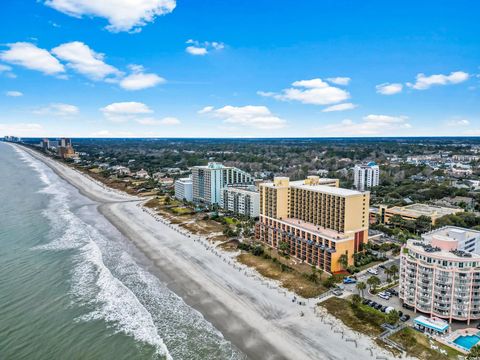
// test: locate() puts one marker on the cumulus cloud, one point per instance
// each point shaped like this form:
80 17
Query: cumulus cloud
424 82
128 15
14 93
124 111
370 126
202 48
32 57
340 107
58 109
84 60
169 121
21 129
259 117
139 80
313 91
389 89
339 80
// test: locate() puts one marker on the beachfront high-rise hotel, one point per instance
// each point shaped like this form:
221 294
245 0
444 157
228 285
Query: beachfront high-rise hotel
319 221
208 181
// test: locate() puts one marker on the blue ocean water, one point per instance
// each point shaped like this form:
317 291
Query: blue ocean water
72 287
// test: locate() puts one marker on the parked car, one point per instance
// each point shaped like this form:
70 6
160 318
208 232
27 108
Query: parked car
337 291
389 309
383 295
365 301
373 271
383 308
349 280
404 318
382 266
393 292
408 307
378 306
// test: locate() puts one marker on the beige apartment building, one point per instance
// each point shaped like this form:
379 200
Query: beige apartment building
414 211
318 220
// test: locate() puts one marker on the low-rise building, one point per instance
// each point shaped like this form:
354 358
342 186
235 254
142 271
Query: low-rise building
414 211
184 189
241 200
142 174
440 275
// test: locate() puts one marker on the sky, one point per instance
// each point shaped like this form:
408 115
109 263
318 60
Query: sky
239 68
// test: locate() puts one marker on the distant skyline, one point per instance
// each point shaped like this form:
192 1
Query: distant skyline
166 68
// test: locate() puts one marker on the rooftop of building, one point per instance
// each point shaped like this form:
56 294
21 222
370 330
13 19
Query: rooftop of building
185 180
318 230
424 209
249 189
325 189
446 243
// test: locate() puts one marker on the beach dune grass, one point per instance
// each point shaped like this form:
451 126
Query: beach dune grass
361 318
416 344
291 280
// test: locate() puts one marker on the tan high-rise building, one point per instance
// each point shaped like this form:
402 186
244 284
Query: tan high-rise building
319 221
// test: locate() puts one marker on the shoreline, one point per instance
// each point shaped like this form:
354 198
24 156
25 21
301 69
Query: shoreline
256 317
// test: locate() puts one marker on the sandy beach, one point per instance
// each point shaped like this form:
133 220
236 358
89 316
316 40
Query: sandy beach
253 313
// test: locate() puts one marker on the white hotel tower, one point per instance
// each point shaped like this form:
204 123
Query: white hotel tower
440 275
366 176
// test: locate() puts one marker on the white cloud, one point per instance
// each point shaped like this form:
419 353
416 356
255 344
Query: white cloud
340 80
202 48
340 107
58 109
14 93
126 15
139 80
21 129
259 117
124 111
389 89
5 68
84 60
313 91
458 122
165 121
425 82
370 126
32 57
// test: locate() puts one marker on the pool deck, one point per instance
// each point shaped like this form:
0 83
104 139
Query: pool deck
450 338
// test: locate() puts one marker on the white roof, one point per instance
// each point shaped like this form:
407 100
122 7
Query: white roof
325 189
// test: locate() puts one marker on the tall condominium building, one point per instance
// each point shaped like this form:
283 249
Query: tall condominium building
241 200
319 221
440 275
366 176
184 189
209 180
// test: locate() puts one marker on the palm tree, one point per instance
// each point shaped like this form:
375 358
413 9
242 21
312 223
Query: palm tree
343 260
361 286
373 281
394 271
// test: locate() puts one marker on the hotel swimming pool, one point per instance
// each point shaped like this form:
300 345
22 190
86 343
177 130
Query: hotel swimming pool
467 341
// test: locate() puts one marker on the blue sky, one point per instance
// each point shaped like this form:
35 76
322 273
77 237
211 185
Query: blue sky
237 68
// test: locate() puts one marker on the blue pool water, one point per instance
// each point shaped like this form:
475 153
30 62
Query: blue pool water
467 341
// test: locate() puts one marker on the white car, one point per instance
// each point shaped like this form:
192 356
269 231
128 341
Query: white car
373 271
383 295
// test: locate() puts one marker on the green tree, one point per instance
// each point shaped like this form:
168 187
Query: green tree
343 260
474 353
284 247
393 317
373 281
396 221
423 224
361 286
393 271
356 300
329 282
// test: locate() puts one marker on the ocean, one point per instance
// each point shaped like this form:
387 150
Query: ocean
73 287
